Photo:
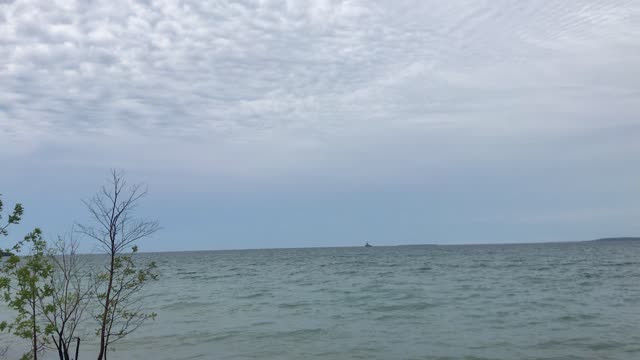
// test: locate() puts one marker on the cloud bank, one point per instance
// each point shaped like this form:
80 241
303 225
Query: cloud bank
310 73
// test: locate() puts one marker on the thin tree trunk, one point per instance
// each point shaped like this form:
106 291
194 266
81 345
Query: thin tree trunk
35 332
106 347
63 342
102 355
57 346
66 351
77 348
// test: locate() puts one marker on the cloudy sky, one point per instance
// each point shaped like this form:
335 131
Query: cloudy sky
327 123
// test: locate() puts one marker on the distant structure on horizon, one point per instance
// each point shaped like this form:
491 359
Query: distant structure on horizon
368 245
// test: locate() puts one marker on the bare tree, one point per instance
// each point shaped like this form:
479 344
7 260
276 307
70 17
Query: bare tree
116 230
71 289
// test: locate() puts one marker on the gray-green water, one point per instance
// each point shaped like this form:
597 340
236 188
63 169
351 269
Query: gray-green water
544 301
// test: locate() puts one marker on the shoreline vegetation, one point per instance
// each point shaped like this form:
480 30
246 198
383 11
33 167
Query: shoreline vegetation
51 290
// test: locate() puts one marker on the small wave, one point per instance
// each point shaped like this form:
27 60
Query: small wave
385 273
611 345
590 275
406 307
186 272
389 317
263 323
628 263
224 336
391 265
251 296
185 305
293 305
192 277
349 272
214 277
578 317
301 334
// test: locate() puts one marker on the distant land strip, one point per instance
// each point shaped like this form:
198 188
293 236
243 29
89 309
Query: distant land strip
619 239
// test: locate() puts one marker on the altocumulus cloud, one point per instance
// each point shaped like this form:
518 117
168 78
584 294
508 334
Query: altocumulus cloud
349 88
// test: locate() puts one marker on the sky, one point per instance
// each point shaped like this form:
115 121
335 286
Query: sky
260 124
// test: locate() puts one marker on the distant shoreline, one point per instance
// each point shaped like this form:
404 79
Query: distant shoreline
612 239
602 240
618 239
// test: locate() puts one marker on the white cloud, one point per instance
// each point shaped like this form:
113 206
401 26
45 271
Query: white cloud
288 82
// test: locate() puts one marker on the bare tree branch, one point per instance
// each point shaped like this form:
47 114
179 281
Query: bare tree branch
116 230
71 292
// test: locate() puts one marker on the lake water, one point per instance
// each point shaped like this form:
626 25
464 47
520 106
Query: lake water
534 301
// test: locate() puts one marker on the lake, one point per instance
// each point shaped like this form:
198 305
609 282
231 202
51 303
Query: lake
529 301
